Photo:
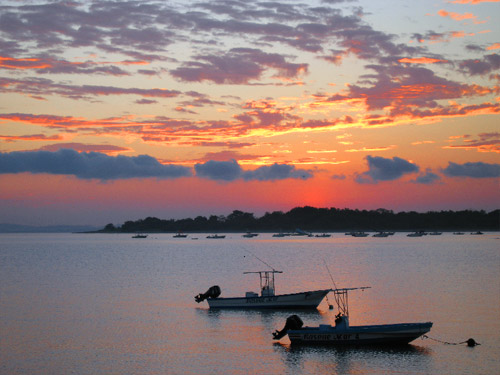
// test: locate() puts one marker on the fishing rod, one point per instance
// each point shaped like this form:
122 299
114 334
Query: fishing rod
335 295
267 264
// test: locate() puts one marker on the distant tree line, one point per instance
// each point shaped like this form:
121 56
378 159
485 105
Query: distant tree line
319 219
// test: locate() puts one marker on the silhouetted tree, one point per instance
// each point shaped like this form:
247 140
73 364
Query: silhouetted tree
324 219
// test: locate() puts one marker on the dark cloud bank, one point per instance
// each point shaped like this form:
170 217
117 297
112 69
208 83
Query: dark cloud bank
94 165
231 170
384 169
474 170
91 165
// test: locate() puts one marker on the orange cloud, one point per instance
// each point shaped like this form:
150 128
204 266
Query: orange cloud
32 137
373 149
82 147
493 46
459 17
12 63
456 16
421 60
474 2
460 34
486 142
35 63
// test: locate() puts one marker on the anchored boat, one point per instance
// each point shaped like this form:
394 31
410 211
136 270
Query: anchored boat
344 334
180 235
267 298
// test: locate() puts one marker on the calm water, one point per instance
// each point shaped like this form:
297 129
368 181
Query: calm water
110 304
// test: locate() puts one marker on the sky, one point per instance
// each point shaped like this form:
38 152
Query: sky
119 110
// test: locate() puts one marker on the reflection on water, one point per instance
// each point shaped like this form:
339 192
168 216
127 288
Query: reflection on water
354 360
107 304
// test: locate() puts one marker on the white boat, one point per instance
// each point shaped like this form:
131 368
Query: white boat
344 334
267 298
416 234
250 235
359 234
180 235
381 234
216 236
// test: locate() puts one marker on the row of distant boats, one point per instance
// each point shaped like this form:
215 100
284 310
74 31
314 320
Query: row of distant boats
420 233
299 232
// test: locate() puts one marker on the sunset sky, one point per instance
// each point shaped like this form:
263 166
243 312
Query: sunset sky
120 110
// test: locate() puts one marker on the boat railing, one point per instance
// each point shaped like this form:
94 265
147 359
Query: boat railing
266 282
342 298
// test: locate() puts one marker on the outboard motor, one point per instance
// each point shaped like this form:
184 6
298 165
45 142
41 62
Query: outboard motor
212 292
292 322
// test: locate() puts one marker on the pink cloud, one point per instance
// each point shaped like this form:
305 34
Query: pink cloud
473 2
459 17
421 60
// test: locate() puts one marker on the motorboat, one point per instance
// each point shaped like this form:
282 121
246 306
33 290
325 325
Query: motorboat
416 234
216 236
381 234
179 234
140 236
323 235
250 235
358 234
267 299
344 334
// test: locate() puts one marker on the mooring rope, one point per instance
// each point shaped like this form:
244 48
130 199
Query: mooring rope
469 342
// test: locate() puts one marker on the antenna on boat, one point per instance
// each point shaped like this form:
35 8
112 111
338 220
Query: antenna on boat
335 286
267 264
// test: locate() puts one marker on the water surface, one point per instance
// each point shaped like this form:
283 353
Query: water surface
110 304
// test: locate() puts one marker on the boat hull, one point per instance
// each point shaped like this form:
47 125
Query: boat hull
389 334
303 300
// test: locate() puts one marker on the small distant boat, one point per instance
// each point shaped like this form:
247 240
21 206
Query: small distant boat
381 234
250 235
436 233
216 236
140 236
416 234
180 235
280 234
300 232
344 334
458 233
267 299
359 234
477 233
323 235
